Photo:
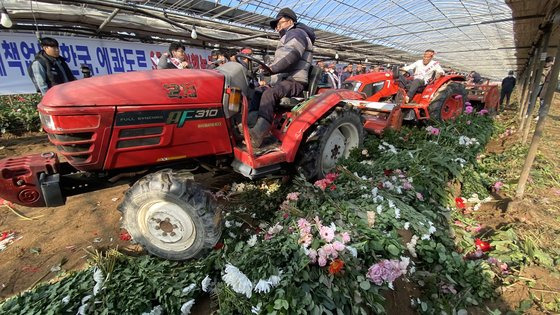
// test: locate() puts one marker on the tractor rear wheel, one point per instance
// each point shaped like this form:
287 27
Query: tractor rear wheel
449 102
172 216
331 140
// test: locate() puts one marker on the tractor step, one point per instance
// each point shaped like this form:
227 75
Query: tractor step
253 173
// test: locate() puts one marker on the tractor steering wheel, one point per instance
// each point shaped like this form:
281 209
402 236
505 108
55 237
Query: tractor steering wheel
253 70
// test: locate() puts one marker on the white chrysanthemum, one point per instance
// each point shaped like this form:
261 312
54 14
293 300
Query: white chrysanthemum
411 246
397 213
333 226
186 307
83 308
66 299
374 191
228 223
158 310
99 279
407 225
432 230
237 280
274 279
275 229
263 286
391 203
256 309
189 288
205 284
252 240
352 250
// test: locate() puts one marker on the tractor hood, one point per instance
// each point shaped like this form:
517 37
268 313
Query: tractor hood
154 87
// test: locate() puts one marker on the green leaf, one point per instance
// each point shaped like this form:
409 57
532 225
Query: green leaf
365 285
393 250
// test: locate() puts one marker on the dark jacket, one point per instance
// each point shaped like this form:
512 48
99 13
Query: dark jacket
508 83
53 75
345 75
294 53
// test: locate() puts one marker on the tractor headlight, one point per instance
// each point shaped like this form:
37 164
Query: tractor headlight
47 121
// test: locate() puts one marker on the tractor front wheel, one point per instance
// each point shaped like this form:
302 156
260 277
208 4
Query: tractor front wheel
332 139
449 102
172 216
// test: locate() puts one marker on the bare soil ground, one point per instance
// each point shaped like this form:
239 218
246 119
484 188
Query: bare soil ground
61 235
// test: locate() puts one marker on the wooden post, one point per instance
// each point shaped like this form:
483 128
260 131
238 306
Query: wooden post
530 81
551 88
523 90
536 88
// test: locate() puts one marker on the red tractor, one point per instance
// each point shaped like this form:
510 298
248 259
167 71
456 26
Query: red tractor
154 129
441 99
484 96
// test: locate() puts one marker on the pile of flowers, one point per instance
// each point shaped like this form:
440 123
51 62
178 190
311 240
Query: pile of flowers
332 246
329 245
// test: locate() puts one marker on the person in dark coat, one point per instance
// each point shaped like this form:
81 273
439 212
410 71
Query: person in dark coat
49 68
290 69
508 83
346 73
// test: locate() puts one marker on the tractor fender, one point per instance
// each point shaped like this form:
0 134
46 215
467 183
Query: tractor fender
435 86
304 117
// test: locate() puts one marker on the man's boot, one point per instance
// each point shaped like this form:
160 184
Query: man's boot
259 132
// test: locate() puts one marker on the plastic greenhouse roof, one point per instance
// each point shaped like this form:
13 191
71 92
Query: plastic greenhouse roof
488 36
466 34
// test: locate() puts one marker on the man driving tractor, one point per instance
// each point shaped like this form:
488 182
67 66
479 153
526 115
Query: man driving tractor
423 72
292 61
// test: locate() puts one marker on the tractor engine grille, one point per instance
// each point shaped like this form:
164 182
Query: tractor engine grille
76 147
81 135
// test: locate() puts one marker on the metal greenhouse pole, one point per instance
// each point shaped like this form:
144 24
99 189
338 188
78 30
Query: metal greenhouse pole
552 84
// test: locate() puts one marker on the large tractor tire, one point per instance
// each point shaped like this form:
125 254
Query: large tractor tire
172 216
446 104
331 140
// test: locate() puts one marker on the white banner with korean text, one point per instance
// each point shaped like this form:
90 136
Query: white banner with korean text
103 56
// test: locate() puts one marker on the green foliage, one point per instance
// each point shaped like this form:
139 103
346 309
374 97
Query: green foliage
18 113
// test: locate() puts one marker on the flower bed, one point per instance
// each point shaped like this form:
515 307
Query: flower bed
333 246
18 113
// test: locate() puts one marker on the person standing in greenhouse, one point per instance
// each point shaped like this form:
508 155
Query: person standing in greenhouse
49 68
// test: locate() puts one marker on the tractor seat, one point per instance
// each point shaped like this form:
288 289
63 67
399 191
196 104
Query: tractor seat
313 81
